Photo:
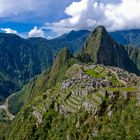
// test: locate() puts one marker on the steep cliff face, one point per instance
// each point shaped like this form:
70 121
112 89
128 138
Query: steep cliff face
100 48
63 60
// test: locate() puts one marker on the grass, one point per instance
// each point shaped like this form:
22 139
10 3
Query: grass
75 99
70 105
115 81
99 95
89 96
74 103
59 100
127 89
94 100
94 73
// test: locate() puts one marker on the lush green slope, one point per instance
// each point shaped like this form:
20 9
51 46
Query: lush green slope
17 62
82 106
7 85
75 100
22 59
42 82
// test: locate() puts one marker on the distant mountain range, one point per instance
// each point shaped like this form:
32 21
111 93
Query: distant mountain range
21 59
127 37
99 48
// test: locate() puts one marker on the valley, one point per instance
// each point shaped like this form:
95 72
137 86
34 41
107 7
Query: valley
70 70
88 93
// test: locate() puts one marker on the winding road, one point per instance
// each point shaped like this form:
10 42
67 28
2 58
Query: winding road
5 108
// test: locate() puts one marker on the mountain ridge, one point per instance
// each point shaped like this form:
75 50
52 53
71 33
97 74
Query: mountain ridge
85 100
102 49
21 59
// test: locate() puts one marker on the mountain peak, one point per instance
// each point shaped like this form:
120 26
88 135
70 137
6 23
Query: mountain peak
59 65
98 38
64 54
100 48
100 28
99 33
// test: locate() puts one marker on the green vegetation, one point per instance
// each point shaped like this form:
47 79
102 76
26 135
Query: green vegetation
22 59
115 81
75 120
123 124
17 100
94 73
3 117
53 105
127 89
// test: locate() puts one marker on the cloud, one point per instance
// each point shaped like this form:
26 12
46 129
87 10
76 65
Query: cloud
14 7
8 30
31 10
87 14
36 32
50 37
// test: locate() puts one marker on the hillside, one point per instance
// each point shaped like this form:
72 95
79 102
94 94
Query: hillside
85 101
40 83
86 104
92 96
100 48
127 37
21 59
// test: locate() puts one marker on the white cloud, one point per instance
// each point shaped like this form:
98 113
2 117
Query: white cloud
8 30
50 37
35 11
36 32
15 7
87 14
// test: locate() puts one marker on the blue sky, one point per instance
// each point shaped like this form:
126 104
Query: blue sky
51 18
22 17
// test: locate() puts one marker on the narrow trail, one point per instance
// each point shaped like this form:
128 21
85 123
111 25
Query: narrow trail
5 108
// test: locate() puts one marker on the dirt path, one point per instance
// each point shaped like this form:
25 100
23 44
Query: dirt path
5 108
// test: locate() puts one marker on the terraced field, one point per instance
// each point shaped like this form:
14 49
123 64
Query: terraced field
87 87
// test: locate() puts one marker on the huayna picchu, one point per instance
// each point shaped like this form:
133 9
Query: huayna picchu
90 95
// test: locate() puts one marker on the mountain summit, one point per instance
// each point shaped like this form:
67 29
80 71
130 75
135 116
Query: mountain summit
100 48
